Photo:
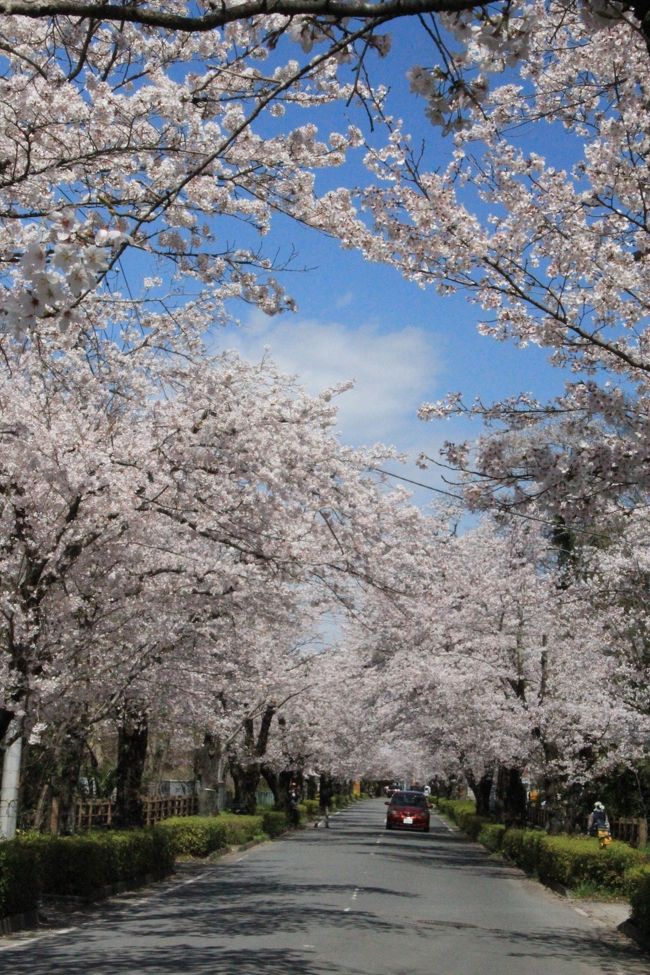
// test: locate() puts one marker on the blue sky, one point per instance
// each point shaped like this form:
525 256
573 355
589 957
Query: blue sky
400 344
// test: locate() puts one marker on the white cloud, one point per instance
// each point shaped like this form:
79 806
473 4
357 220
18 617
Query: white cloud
393 371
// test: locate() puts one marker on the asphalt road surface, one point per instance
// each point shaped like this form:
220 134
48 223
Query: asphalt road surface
351 900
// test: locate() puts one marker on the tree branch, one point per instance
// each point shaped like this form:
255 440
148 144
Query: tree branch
222 14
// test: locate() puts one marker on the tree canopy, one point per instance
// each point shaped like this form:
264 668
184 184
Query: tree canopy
166 511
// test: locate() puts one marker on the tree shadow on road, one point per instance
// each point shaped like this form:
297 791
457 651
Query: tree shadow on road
182 958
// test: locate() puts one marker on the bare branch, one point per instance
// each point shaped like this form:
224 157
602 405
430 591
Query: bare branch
223 14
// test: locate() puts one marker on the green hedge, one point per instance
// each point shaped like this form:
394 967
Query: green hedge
572 861
195 836
80 866
274 822
311 807
19 883
199 836
340 801
491 836
471 824
453 808
242 829
463 813
522 847
639 892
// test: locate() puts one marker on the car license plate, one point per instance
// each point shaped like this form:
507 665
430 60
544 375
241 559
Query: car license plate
408 820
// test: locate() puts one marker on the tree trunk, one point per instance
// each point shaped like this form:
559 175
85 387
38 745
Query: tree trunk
247 776
43 805
132 742
271 776
64 782
482 789
511 797
285 779
209 767
326 791
246 779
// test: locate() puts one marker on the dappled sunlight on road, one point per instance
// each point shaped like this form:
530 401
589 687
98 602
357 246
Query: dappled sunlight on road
351 900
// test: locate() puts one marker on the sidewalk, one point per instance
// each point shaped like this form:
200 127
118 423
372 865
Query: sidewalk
613 916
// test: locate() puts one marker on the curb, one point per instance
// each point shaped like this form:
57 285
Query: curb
18 922
627 928
21 922
103 893
630 930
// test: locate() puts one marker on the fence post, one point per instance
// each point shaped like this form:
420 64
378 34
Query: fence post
643 833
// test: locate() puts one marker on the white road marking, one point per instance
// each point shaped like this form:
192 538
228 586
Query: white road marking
28 941
452 829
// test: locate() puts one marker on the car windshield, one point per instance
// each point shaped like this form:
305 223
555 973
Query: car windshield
408 799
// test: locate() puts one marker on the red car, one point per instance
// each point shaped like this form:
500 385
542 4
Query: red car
408 810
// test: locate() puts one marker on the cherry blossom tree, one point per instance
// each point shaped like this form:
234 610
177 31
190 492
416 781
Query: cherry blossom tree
553 250
136 138
502 670
154 500
195 519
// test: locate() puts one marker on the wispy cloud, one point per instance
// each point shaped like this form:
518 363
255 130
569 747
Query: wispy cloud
392 370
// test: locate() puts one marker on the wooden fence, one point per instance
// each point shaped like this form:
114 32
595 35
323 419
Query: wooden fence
99 812
632 831
628 829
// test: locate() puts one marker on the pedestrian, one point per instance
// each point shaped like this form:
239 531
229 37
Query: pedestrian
325 800
597 819
294 800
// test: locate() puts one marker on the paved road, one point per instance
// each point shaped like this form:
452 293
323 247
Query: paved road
352 900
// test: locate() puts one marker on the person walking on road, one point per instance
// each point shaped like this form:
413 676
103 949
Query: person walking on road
294 800
325 800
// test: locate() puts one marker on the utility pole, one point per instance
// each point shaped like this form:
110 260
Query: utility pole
11 781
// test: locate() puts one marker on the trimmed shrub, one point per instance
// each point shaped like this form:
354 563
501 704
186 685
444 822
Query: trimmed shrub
522 847
80 866
311 807
573 860
302 812
241 829
491 836
463 813
634 876
471 824
639 892
195 836
199 836
453 808
340 801
274 822
19 883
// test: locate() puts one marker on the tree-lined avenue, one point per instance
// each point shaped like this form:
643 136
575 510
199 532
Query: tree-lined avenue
353 900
